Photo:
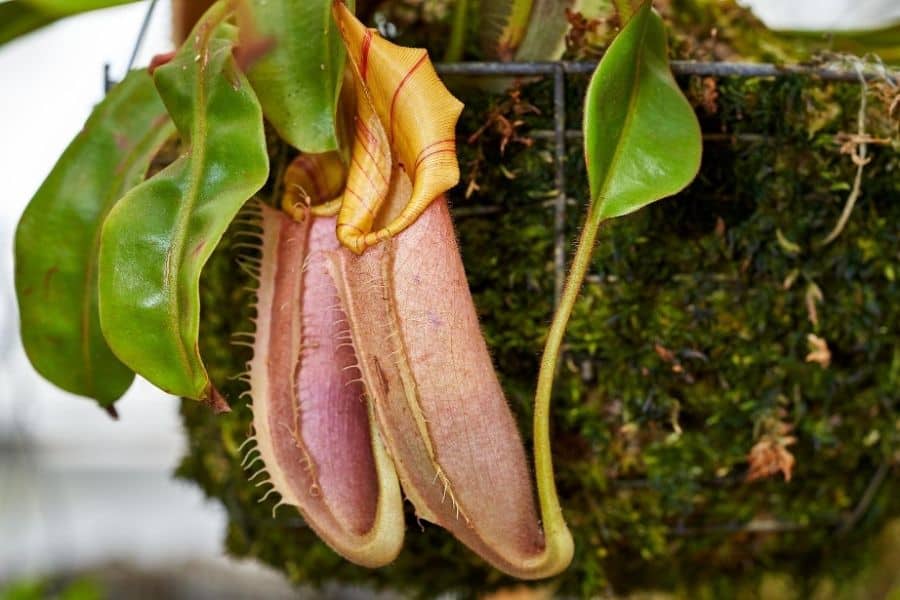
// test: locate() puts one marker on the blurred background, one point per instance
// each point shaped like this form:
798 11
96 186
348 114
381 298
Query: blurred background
79 491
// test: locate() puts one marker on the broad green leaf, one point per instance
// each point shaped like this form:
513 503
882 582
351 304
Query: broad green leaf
19 17
71 7
299 79
642 139
158 237
642 143
58 240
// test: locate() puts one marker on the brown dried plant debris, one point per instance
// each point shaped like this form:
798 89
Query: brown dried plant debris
770 455
472 175
818 351
505 120
664 353
710 95
887 95
703 92
588 37
812 298
850 143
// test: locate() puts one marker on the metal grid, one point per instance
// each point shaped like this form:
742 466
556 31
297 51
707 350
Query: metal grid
559 70
559 134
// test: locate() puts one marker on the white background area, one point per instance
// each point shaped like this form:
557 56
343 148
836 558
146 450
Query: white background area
88 489
85 489
826 15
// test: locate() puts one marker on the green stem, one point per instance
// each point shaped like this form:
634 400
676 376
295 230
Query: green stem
551 512
457 32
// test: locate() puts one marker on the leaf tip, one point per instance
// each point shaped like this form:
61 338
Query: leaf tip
216 401
111 411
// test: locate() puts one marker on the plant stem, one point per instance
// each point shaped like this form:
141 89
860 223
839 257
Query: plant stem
457 32
551 512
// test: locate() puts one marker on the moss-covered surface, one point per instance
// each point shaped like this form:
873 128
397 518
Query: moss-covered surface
688 347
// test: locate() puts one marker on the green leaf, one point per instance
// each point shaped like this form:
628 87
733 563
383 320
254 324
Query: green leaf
642 143
158 237
19 17
58 240
642 139
299 79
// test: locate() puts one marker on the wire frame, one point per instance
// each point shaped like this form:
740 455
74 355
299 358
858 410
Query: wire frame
559 137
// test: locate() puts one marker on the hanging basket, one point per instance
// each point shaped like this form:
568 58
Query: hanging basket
728 404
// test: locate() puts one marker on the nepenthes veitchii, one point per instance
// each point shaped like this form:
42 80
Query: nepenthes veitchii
370 367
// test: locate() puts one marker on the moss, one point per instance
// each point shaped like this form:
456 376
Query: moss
686 348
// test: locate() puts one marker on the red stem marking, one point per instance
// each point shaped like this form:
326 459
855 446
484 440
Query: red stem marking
364 54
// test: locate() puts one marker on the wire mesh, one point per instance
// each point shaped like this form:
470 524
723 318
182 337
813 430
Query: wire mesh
559 136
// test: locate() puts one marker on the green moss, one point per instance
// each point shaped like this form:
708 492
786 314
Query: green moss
684 349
